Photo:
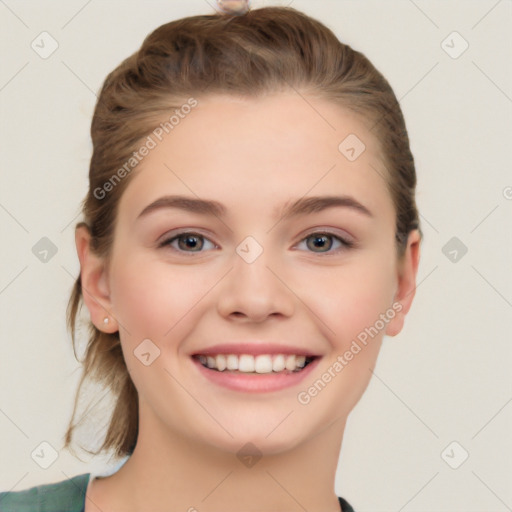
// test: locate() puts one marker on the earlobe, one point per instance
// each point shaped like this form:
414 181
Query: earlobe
94 280
407 271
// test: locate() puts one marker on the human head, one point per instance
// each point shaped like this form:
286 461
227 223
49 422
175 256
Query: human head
261 52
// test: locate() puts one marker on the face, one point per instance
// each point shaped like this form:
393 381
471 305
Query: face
273 253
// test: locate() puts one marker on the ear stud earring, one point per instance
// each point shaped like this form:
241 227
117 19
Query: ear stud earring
105 320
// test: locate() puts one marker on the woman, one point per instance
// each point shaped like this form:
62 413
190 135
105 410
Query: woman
250 234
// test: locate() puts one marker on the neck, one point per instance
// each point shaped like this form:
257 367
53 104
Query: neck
169 472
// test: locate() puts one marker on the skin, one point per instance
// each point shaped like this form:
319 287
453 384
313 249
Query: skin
254 156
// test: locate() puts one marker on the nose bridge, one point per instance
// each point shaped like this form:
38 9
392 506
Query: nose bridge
251 289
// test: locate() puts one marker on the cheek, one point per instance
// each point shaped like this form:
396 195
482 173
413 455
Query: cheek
156 301
352 301
351 298
152 298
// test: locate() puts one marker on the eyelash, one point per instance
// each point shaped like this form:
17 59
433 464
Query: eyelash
345 244
168 242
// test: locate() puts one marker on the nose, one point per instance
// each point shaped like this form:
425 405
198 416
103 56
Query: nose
254 292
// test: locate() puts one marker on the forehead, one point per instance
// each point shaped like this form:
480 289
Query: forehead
259 152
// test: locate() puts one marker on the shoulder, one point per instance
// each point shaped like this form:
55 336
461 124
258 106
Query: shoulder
345 505
65 496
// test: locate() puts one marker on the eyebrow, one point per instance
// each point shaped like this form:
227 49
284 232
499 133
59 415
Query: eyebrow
306 205
302 206
189 204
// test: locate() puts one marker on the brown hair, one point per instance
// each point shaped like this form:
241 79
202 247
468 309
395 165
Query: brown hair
264 50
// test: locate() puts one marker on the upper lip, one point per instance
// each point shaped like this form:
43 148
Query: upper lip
254 349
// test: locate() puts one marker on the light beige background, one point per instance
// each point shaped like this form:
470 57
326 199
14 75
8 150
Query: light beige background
445 378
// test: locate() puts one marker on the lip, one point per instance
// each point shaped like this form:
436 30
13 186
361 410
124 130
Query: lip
261 383
254 349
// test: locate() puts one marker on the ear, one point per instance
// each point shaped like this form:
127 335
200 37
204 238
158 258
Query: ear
407 269
94 280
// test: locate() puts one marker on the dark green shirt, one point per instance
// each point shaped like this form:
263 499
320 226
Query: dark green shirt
65 496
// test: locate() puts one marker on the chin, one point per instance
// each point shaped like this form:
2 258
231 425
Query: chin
259 439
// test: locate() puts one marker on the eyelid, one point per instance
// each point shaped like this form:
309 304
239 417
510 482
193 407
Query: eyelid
335 232
347 242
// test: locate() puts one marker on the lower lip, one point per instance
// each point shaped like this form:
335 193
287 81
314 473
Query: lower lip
256 383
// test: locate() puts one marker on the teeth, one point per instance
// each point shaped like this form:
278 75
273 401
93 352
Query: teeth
290 363
278 364
232 362
221 362
246 364
254 364
263 364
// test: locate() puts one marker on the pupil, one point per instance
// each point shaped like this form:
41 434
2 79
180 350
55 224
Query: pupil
190 242
323 242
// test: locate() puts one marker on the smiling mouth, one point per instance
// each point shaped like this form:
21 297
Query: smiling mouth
260 364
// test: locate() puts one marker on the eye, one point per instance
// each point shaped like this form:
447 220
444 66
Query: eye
324 242
189 242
